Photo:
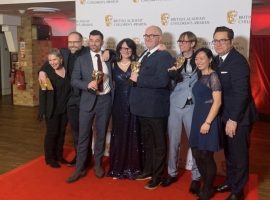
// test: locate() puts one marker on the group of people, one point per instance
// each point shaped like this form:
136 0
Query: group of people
210 96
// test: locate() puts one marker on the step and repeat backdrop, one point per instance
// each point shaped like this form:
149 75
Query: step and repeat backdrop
118 19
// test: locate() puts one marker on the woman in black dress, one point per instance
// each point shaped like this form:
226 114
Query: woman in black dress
205 129
125 151
52 107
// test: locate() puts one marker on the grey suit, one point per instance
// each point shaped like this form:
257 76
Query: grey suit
180 113
91 105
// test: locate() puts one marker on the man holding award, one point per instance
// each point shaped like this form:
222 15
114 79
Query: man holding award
93 77
149 100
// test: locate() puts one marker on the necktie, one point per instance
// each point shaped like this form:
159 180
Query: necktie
99 64
220 61
145 57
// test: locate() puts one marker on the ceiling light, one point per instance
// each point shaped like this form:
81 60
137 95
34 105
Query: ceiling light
43 9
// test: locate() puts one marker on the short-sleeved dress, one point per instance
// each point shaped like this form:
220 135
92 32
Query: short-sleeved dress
202 92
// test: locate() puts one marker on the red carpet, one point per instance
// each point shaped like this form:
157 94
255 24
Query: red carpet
36 181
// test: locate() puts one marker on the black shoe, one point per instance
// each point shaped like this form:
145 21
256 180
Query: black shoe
63 161
152 184
168 180
195 187
234 196
206 194
76 176
53 164
99 172
143 176
223 188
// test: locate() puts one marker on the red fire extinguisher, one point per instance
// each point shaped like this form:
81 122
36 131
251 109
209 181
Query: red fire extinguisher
20 79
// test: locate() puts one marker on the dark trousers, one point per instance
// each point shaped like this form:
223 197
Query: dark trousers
153 132
55 137
101 112
73 119
237 158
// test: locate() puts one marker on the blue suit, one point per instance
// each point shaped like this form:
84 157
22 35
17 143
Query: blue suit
180 113
91 105
150 101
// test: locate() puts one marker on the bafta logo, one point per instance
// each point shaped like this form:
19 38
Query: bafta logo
82 2
232 16
108 20
136 40
164 18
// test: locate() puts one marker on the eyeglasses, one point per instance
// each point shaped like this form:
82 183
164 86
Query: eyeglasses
151 36
184 41
221 41
125 49
74 42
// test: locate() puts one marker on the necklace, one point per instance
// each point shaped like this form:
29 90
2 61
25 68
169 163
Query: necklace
125 64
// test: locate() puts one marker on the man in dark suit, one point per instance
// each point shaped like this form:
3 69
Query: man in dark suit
96 100
150 101
238 111
69 54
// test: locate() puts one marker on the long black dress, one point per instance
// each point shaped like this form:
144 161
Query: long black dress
125 147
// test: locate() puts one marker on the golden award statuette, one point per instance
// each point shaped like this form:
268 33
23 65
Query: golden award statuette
179 62
97 75
47 85
135 66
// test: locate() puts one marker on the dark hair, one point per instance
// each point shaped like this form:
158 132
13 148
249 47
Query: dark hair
131 44
77 33
209 54
229 31
96 32
191 36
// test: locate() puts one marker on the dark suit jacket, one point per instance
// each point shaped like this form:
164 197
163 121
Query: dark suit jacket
151 96
237 102
82 75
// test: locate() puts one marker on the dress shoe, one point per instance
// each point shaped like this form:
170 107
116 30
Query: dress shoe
99 172
76 176
195 187
63 161
53 164
168 180
152 184
223 188
143 176
206 194
234 196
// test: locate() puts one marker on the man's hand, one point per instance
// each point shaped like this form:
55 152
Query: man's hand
42 77
230 128
106 55
134 76
173 68
162 47
92 85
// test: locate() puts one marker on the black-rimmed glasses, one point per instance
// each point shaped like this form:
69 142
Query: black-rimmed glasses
221 41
